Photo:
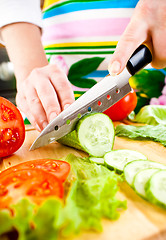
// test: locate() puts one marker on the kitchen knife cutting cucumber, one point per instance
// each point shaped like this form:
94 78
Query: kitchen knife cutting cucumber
117 159
94 134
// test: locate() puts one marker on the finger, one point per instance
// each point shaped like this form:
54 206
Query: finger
159 49
63 88
134 35
48 97
23 106
36 109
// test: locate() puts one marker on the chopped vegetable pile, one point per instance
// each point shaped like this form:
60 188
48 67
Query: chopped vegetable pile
48 198
91 196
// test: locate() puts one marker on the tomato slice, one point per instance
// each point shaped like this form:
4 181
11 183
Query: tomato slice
35 184
122 108
59 168
12 128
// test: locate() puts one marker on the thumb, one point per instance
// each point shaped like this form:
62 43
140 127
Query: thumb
134 35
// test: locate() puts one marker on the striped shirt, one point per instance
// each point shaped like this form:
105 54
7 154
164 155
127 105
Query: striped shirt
82 35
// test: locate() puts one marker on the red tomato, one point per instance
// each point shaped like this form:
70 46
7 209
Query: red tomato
12 128
34 184
123 108
59 168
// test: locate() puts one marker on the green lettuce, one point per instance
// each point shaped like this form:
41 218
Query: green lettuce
91 196
150 114
148 132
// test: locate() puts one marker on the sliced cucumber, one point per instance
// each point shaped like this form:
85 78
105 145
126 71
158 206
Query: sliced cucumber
132 168
117 159
141 179
71 140
97 160
96 134
156 189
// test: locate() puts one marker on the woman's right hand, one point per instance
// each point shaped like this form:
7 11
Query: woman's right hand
44 94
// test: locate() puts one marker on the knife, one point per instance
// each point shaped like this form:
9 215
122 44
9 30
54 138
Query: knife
98 98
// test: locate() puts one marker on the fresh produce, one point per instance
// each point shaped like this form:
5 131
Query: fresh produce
34 184
42 191
155 118
59 168
117 159
155 188
36 179
12 129
94 134
150 114
122 108
138 172
123 161
90 197
147 132
97 160
141 179
132 168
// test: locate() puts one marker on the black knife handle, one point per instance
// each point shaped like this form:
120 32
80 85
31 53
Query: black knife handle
139 59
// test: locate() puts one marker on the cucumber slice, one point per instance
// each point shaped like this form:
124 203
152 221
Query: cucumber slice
117 159
132 168
96 134
141 179
96 160
156 189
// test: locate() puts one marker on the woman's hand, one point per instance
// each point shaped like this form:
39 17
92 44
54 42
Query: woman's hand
44 94
147 25
43 90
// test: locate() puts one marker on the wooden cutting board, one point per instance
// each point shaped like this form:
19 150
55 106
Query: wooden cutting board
141 220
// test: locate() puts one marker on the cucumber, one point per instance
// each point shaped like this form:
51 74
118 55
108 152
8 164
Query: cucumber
132 168
141 179
156 189
117 159
71 140
94 134
97 160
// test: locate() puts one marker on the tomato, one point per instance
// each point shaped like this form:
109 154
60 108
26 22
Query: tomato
35 184
12 128
59 168
122 108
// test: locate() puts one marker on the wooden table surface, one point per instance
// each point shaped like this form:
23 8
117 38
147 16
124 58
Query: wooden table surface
141 220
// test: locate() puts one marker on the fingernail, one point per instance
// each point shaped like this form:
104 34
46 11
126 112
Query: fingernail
114 68
66 106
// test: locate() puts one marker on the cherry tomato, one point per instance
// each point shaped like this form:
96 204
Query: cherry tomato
12 128
34 184
59 168
122 108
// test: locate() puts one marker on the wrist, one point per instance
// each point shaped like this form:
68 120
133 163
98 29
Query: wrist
24 48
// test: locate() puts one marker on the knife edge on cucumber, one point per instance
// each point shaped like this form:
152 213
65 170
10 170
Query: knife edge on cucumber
94 134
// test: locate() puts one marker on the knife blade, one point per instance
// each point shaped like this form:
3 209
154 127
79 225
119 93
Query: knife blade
98 98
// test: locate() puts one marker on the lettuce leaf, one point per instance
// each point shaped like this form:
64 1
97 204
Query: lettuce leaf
150 114
148 132
91 197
